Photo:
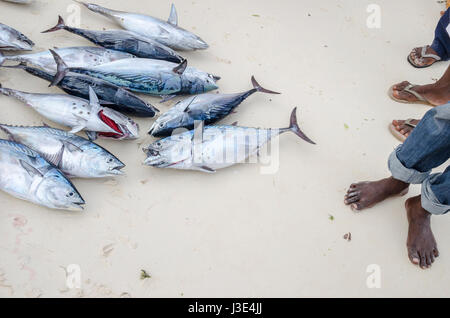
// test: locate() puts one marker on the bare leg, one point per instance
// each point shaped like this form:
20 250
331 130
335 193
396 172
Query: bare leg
422 248
436 94
366 194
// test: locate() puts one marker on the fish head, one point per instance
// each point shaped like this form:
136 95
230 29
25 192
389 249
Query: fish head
190 41
170 151
123 127
168 123
200 82
57 192
104 164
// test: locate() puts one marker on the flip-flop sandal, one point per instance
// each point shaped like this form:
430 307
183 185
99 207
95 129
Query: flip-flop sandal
408 89
423 54
399 135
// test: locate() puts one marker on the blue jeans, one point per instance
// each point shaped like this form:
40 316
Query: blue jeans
441 43
427 148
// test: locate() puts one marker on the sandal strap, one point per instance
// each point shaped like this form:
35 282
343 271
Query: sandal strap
408 89
409 122
424 53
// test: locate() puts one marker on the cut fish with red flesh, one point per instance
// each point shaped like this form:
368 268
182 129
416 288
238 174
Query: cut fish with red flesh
111 123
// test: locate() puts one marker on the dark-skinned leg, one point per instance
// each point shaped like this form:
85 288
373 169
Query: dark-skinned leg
436 94
427 147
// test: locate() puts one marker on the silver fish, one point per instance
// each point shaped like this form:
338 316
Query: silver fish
75 156
165 32
27 176
155 77
217 147
11 39
82 56
209 108
124 41
79 114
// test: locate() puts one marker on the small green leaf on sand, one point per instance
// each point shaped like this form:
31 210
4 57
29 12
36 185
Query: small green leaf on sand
255 15
331 217
346 126
144 274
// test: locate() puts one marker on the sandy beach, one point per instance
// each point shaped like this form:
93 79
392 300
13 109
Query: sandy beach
240 232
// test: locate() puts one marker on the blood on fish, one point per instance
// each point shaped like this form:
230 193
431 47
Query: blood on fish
111 124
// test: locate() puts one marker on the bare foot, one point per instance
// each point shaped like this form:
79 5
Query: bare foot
416 57
436 94
422 248
403 128
366 194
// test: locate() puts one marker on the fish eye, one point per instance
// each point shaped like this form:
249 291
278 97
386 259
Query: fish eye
71 194
158 144
161 125
110 160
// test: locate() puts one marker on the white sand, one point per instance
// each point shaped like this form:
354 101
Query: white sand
238 232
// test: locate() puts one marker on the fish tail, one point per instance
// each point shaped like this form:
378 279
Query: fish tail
59 26
62 69
261 89
293 126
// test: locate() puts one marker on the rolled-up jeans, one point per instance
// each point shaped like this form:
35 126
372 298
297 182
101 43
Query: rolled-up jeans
426 148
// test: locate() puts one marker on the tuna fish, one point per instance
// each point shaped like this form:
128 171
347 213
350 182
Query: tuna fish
84 56
124 41
79 114
11 39
147 76
75 156
27 176
215 148
209 108
165 32
110 95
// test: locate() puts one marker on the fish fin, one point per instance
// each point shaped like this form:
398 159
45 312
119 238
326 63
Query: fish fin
180 68
71 146
164 32
166 98
2 58
93 100
62 69
187 109
57 157
59 26
261 89
293 126
77 129
32 171
234 124
92 135
206 169
173 17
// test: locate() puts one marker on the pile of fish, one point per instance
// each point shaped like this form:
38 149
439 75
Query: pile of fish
101 83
